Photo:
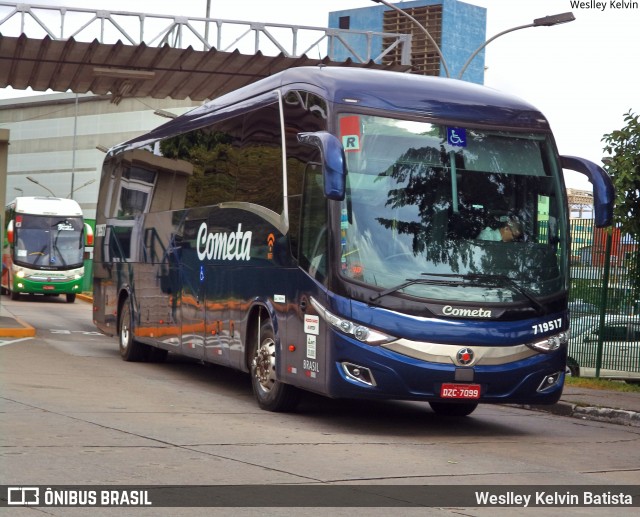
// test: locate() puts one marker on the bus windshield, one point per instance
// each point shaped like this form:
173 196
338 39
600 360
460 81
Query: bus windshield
451 213
48 242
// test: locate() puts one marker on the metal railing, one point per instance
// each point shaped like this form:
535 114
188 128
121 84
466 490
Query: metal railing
156 30
605 301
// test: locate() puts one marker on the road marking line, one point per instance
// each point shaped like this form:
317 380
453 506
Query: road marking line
3 343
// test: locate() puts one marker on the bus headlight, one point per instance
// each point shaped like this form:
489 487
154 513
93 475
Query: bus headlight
360 332
20 274
551 343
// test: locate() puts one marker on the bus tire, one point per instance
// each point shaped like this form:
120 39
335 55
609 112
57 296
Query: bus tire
130 349
15 295
270 393
453 409
71 297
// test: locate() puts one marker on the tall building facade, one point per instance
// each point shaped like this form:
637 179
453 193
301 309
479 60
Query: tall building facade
59 140
457 28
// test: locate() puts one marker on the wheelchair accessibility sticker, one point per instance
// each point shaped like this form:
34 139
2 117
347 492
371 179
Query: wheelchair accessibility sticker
457 136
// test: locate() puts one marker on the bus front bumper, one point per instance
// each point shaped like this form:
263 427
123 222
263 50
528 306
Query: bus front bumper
25 285
372 372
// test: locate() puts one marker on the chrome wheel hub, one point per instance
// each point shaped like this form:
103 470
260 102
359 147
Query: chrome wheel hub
264 364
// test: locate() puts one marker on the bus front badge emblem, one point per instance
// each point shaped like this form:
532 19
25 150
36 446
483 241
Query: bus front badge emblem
465 356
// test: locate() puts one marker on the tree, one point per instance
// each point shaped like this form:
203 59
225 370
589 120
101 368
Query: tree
623 166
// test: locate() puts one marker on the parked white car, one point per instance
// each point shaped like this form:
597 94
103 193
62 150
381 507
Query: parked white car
620 347
581 307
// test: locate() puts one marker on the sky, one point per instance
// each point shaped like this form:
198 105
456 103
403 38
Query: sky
582 75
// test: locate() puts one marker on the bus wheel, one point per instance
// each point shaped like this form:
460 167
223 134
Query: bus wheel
15 295
448 409
71 297
271 394
130 350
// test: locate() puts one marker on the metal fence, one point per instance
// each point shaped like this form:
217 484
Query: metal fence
605 303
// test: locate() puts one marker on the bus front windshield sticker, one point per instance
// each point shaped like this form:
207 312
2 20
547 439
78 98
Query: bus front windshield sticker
457 136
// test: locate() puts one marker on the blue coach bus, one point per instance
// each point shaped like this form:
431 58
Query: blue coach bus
350 232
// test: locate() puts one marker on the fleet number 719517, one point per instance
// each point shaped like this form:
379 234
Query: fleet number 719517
547 326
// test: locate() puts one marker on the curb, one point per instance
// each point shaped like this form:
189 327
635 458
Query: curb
601 414
25 330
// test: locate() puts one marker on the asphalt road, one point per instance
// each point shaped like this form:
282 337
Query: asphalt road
74 413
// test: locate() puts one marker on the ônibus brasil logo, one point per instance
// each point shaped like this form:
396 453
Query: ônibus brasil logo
223 246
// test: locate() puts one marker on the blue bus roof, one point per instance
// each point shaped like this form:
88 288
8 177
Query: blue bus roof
435 97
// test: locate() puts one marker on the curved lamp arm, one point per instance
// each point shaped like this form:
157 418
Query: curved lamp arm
546 21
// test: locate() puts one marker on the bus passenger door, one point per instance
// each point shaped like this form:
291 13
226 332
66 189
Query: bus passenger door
306 365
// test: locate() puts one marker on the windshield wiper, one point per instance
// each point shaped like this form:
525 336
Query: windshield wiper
463 280
39 253
505 281
496 281
59 252
413 281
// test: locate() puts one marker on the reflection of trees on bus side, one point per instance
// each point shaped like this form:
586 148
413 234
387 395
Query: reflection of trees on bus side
202 149
225 171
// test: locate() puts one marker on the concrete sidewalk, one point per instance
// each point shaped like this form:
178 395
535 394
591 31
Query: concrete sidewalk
11 326
589 404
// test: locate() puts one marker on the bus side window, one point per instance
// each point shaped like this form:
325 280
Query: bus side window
235 159
260 159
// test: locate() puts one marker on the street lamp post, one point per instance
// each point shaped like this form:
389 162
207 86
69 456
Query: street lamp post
38 183
206 25
83 185
73 152
165 113
546 21
51 192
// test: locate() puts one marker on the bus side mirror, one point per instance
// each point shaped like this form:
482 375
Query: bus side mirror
10 232
334 171
604 192
88 235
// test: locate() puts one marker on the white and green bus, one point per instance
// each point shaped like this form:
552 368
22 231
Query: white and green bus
44 247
